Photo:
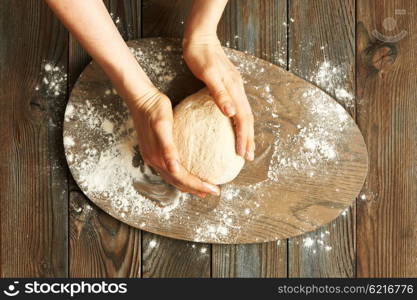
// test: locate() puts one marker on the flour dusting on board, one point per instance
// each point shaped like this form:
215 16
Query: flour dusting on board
332 79
102 150
112 171
317 142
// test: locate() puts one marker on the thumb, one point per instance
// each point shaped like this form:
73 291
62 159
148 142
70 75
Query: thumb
164 137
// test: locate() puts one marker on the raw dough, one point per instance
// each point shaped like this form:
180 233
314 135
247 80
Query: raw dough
205 139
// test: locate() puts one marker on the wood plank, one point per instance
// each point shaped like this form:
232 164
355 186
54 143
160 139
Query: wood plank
164 18
322 32
127 16
387 114
258 28
253 260
164 257
101 246
168 258
33 174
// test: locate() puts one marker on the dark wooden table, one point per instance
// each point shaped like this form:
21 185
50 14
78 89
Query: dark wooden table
49 229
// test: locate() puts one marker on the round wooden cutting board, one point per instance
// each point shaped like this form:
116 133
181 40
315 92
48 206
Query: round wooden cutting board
311 160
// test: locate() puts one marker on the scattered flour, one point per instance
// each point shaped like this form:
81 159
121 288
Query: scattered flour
68 141
333 79
308 242
107 126
152 243
317 242
115 18
53 81
314 145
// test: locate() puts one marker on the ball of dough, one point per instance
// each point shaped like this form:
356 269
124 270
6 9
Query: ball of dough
205 139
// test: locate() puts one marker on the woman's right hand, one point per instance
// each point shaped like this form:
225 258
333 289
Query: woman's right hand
153 120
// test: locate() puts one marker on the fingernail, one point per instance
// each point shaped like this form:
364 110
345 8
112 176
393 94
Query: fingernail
229 110
173 165
250 155
214 189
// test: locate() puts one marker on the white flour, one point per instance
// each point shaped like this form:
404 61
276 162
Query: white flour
107 126
153 243
109 172
332 79
314 145
68 141
53 81
317 241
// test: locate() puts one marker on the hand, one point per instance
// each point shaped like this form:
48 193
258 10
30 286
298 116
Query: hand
153 120
208 62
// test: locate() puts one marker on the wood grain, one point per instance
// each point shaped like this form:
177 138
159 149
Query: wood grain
387 114
168 258
249 261
101 246
166 19
256 27
323 31
33 193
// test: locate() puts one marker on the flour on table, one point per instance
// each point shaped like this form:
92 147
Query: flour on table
107 126
332 78
69 141
313 145
153 243
53 81
317 241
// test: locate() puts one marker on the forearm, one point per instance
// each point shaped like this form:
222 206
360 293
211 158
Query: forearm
92 26
203 19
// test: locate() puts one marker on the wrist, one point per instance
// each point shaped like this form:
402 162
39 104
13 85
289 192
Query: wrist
200 38
192 30
142 97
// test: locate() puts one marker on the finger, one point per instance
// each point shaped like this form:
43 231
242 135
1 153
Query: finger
194 183
219 92
249 130
164 136
241 130
165 140
243 119
250 147
169 178
250 143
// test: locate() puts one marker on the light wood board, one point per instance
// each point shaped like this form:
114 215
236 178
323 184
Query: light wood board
311 158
